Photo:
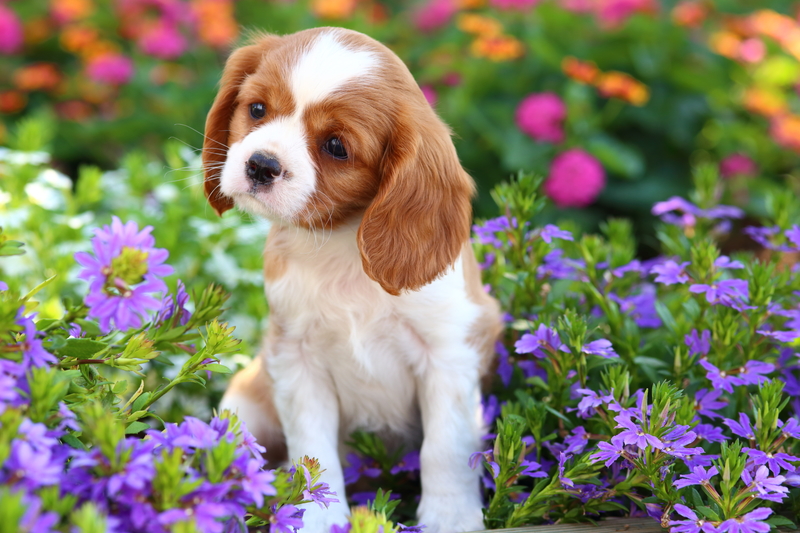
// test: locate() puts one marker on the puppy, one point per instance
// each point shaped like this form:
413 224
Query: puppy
378 319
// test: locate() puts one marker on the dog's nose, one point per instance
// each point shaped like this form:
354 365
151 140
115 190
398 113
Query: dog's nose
262 168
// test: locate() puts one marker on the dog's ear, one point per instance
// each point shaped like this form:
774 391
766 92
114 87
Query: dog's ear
420 218
242 62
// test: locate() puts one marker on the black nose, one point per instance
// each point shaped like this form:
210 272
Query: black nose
262 168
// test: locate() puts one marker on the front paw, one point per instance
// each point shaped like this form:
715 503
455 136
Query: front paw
320 520
451 513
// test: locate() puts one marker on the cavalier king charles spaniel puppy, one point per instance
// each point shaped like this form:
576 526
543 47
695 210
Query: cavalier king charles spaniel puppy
378 319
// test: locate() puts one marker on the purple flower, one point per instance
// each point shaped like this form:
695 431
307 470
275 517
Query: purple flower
532 469
698 344
562 477
775 461
692 525
170 308
678 447
781 336
670 272
768 488
609 452
793 236
545 339
360 466
550 232
409 462
687 211
641 306
287 519
699 476
790 428
709 432
257 483
3 286
601 347
31 467
633 266
751 373
487 232
724 261
730 293
752 522
741 428
764 235
577 442
488 458
33 352
590 401
635 435
504 368
123 273
719 378
556 266
321 494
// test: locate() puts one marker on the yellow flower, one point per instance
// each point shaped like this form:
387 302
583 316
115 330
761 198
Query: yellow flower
764 101
479 25
582 71
624 87
497 47
333 9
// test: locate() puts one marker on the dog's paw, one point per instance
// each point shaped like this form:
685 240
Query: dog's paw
450 513
320 520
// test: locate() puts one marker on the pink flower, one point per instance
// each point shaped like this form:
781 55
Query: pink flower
11 34
113 69
514 4
163 41
430 94
541 115
577 6
616 12
435 14
737 165
752 50
575 180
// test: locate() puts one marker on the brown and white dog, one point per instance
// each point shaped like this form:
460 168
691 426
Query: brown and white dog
378 319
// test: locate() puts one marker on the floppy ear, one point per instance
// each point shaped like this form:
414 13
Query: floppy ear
420 218
241 62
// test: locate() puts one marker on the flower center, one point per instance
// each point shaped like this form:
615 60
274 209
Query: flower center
130 265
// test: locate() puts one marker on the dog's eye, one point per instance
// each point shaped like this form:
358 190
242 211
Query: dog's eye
335 147
258 110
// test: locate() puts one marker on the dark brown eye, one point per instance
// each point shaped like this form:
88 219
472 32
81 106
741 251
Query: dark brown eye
258 110
335 147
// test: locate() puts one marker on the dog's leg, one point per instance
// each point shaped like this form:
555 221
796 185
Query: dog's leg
449 397
249 396
309 411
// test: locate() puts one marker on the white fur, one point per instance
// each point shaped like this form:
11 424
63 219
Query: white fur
354 357
325 67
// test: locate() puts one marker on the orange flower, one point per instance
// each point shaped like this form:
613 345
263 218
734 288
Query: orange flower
69 10
771 24
78 39
726 44
479 25
497 47
12 101
791 42
216 24
785 129
582 71
764 102
471 4
37 77
689 14
333 9
624 87
38 30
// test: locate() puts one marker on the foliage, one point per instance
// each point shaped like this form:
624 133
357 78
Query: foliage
645 88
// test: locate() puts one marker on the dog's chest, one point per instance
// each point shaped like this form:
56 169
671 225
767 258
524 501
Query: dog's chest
371 344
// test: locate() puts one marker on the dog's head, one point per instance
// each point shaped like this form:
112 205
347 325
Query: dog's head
324 125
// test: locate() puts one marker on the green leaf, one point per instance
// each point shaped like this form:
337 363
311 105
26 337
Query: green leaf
72 441
81 348
120 387
617 157
217 368
39 287
140 401
89 327
781 521
136 427
651 362
708 513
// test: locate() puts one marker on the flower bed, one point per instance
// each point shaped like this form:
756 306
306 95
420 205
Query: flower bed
625 386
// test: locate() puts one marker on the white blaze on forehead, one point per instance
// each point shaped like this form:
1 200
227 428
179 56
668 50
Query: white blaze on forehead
327 65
